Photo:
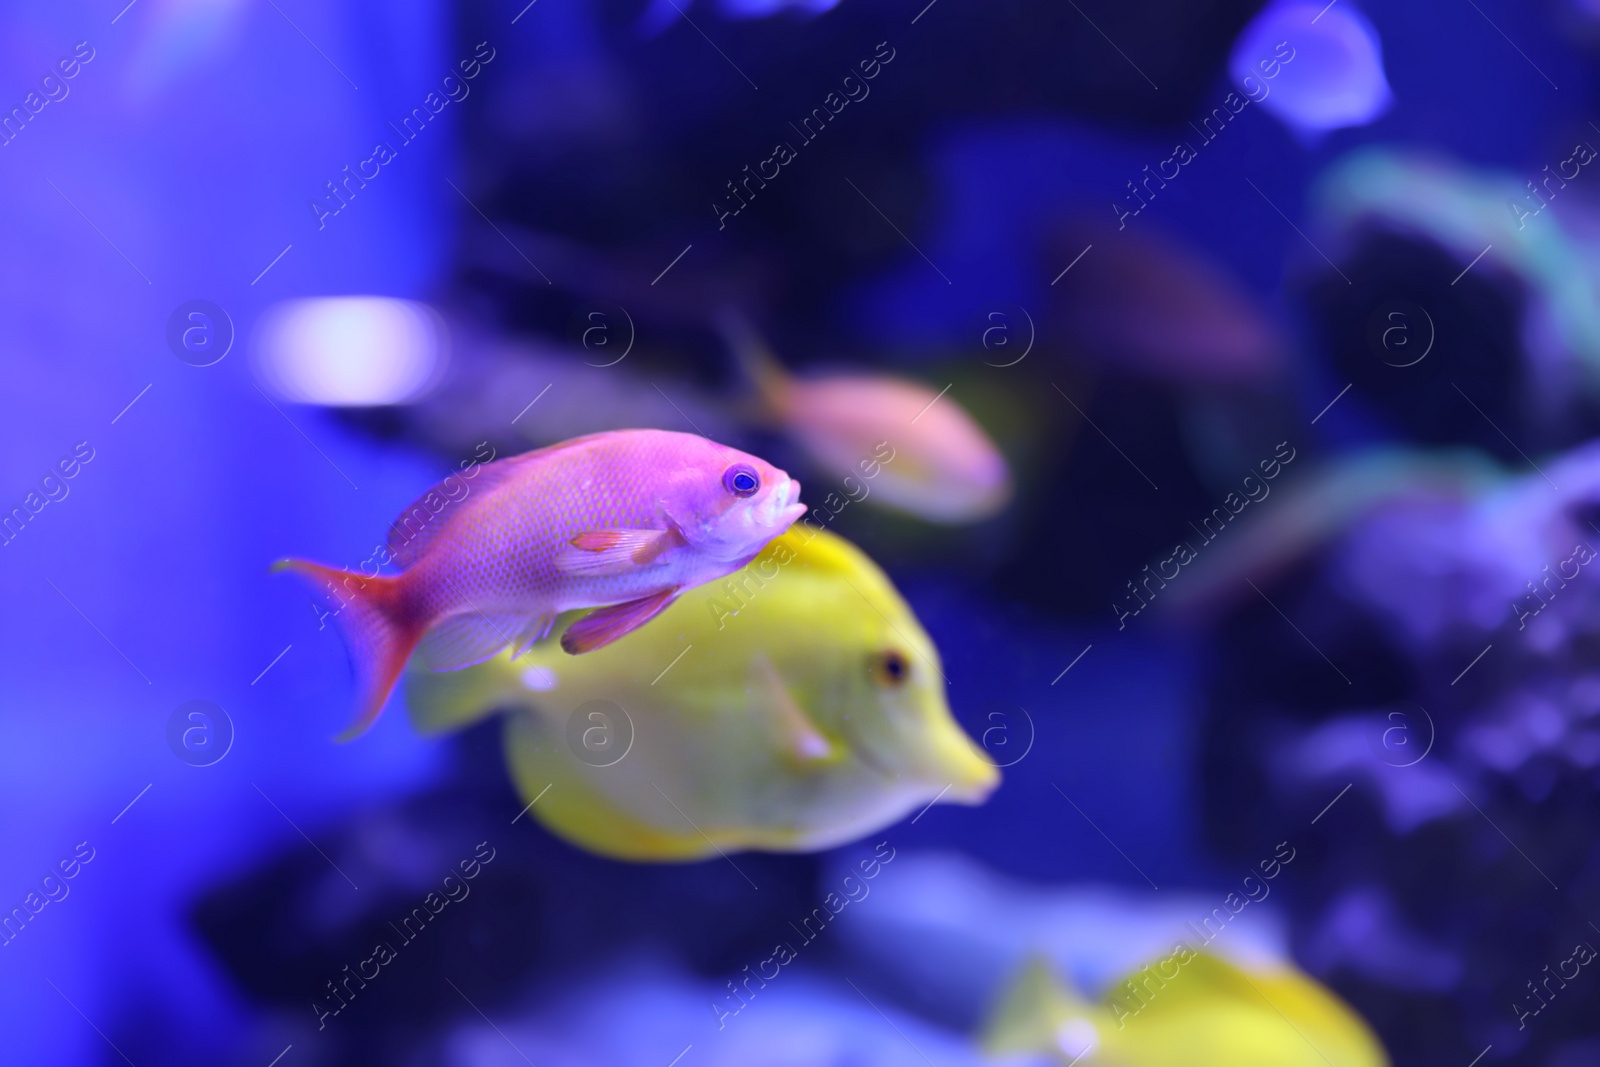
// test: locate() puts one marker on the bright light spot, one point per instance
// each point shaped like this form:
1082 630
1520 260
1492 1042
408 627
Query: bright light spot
1316 66
1076 1037
350 351
539 679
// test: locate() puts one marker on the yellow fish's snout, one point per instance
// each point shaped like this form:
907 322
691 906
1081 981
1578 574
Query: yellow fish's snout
978 779
971 775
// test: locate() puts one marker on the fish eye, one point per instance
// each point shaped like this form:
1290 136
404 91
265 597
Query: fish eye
891 669
741 480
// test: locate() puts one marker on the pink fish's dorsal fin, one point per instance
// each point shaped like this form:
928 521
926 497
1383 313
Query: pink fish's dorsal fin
418 525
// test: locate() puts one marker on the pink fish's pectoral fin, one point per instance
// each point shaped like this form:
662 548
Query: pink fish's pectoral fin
600 628
467 639
603 552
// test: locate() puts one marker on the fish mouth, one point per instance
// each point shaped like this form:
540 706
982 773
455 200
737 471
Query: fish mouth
782 506
953 767
974 784
741 533
968 783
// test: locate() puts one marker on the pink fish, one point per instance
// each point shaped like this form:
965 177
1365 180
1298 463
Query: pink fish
944 470
622 521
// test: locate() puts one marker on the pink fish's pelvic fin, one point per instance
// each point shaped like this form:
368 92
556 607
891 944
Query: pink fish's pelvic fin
600 628
379 636
467 639
537 629
601 552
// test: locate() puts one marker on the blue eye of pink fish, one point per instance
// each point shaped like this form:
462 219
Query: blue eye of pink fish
741 480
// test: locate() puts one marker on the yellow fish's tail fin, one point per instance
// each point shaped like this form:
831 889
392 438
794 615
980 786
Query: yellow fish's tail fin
756 359
1040 1013
441 702
376 630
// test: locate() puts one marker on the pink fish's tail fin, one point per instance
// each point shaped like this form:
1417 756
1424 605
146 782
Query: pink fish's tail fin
380 635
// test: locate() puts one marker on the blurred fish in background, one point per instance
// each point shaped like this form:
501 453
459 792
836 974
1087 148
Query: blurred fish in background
1154 307
1206 1012
1172 982
944 470
950 471
952 933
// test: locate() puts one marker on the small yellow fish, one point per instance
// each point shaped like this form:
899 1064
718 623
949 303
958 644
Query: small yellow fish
942 467
794 706
1207 1013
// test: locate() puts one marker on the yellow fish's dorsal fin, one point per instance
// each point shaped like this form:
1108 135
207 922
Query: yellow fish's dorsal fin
1281 1013
1201 975
441 702
757 360
1038 1013
1207 977
824 553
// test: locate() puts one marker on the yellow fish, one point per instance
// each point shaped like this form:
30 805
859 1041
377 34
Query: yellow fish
1207 1013
795 706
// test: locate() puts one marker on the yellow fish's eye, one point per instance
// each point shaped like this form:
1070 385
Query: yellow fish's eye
890 669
